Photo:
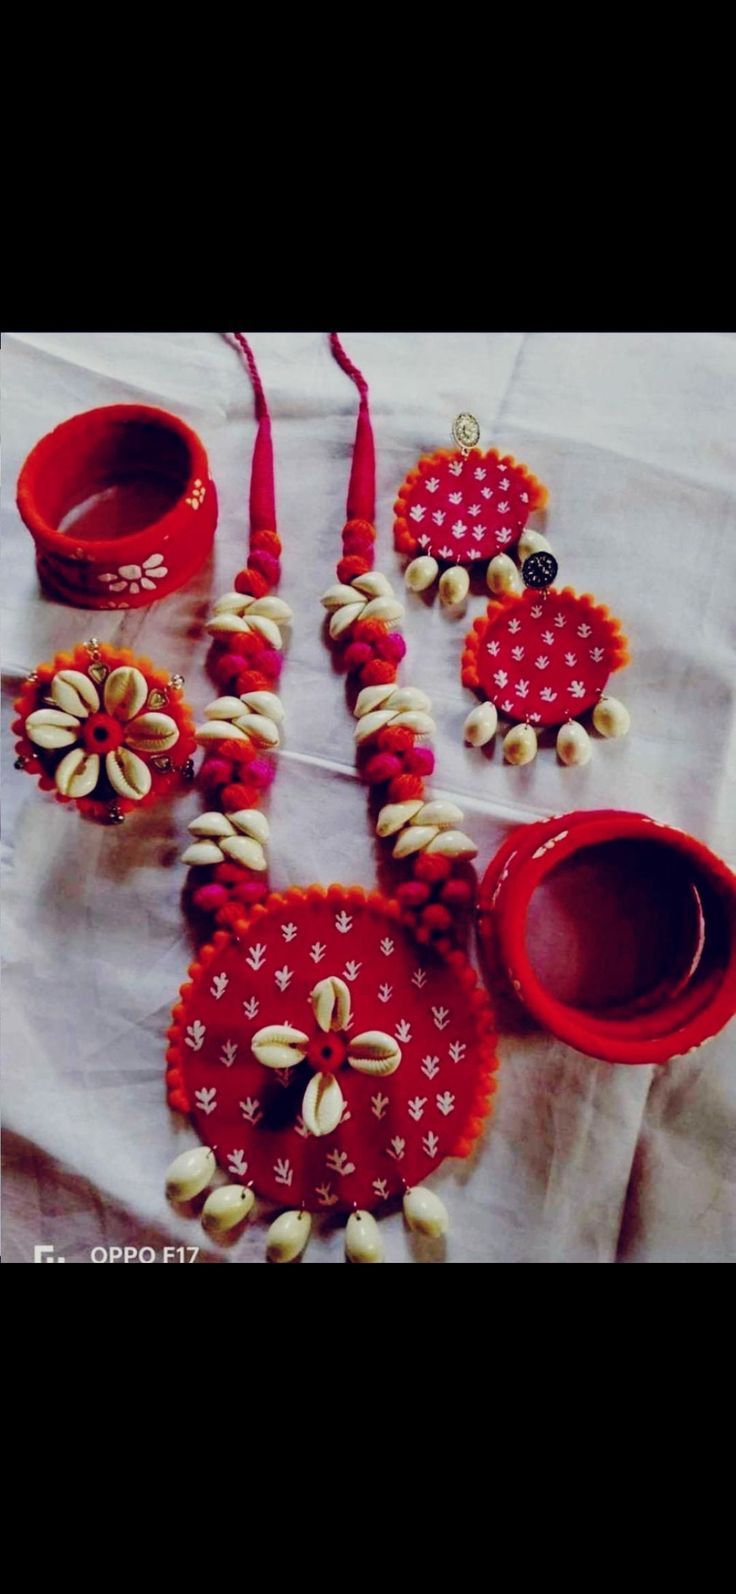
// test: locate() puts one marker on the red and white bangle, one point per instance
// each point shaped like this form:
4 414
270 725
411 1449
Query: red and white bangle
684 1002
146 507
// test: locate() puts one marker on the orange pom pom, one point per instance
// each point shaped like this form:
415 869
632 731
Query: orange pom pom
251 582
361 528
268 541
369 630
405 787
254 681
351 566
239 796
396 739
378 673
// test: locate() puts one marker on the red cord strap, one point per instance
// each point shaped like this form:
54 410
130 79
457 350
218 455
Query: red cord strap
361 502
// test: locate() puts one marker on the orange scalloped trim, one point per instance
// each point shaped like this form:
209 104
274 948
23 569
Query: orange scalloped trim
616 639
295 896
405 540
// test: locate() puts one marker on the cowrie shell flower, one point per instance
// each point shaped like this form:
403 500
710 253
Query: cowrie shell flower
125 694
280 1046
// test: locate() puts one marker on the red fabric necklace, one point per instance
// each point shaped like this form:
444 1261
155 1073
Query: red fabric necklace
332 1046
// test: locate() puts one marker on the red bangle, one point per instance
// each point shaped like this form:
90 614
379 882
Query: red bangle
684 1004
147 508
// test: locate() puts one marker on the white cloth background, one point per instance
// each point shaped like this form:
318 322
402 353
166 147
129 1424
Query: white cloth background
636 438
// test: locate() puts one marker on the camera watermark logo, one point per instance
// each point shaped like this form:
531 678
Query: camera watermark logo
46 1253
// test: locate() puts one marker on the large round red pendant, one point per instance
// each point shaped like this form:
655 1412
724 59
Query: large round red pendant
395 1130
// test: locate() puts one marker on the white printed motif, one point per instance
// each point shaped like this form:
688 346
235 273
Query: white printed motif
430 1144
445 1102
131 578
381 1188
288 931
419 978
229 1053
251 1006
385 992
387 946
430 1066
206 1100
338 1162
416 1107
317 951
237 1164
451 486
457 1051
397 1148
403 1031
441 1016
256 956
283 1171
352 970
219 986
250 1108
283 977
325 1195
195 1035
379 1104
343 922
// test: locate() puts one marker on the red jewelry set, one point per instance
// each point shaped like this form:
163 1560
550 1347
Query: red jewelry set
331 1045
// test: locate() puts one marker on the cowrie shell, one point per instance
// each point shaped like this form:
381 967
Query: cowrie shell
152 733
288 1236
481 724
231 603
266 703
421 573
374 585
270 609
374 1052
125 692
337 596
532 542
611 717
368 724
78 773
453 844
252 823
245 850
261 729
421 724
322 1104
363 1241
370 699
573 744
218 731
502 575
211 824
395 815
279 1046
127 774
408 697
331 1003
224 708
454 585
343 618
190 1173
50 728
74 693
414 839
265 628
383 609
225 624
425 1213
442 814
202 853
520 745
227 1205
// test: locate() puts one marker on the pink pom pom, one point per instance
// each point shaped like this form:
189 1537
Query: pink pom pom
356 655
392 646
227 667
215 772
251 891
267 564
211 897
420 761
383 766
261 772
269 661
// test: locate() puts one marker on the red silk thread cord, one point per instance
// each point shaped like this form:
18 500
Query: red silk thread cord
361 501
262 489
